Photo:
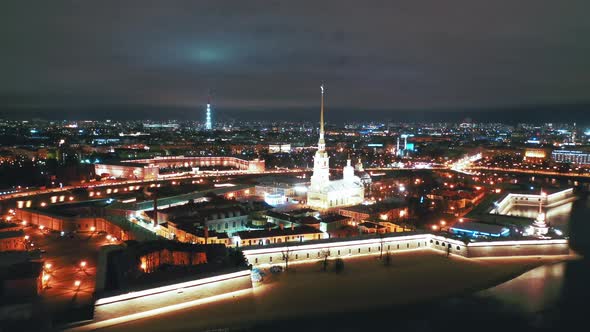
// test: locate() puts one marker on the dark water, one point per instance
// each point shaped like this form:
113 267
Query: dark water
550 298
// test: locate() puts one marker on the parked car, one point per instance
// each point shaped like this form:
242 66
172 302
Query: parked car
276 269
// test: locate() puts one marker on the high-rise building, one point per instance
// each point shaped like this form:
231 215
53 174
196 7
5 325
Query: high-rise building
208 124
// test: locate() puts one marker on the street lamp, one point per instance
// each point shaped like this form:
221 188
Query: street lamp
83 265
47 266
77 284
46 280
92 229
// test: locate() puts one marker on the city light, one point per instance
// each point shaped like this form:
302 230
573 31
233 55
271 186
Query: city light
83 264
47 266
92 228
77 284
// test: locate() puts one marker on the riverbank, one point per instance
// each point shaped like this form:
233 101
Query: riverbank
364 283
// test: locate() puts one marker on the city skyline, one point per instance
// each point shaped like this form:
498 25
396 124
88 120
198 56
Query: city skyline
386 57
260 165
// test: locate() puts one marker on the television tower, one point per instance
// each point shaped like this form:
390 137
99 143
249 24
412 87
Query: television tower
208 125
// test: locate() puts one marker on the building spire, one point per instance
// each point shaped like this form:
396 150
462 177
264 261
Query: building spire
322 113
322 142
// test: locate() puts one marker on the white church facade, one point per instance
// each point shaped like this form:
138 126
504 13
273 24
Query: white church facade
323 193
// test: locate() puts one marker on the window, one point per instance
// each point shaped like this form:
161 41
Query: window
369 249
256 260
226 225
431 241
350 251
359 250
270 259
408 245
234 224
458 248
318 254
398 246
388 247
307 255
437 243
296 256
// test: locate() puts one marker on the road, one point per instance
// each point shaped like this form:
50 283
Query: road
106 184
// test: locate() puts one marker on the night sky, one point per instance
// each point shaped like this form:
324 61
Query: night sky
385 55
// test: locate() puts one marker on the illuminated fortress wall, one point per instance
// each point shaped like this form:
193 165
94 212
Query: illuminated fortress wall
342 249
547 201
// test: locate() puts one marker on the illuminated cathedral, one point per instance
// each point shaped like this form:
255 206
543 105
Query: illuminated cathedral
324 193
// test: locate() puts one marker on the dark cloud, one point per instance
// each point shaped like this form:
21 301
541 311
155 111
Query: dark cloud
427 54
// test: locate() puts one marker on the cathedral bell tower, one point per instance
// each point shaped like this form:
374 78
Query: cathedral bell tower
321 161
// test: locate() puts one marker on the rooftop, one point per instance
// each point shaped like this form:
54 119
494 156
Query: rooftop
480 228
377 207
255 234
11 234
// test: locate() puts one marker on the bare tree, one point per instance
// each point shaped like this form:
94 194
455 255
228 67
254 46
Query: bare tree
387 258
286 255
381 242
325 253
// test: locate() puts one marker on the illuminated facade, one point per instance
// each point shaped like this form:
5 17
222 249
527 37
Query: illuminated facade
574 157
149 169
325 194
534 155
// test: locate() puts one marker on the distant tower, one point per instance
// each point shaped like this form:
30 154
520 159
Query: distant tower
208 124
